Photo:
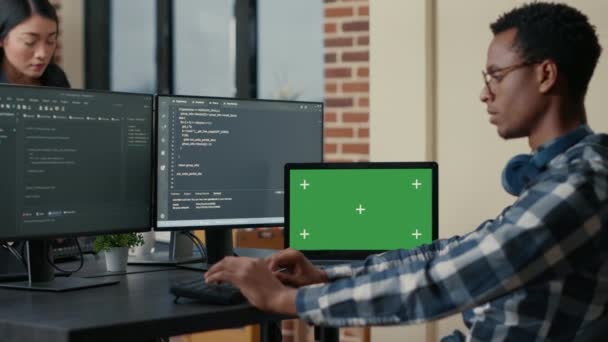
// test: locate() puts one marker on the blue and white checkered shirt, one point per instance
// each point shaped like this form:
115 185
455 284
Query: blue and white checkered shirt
537 272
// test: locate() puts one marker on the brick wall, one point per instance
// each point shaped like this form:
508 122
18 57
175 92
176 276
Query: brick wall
346 80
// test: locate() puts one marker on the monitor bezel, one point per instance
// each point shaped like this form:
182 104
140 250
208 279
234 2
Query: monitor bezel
92 232
359 254
226 225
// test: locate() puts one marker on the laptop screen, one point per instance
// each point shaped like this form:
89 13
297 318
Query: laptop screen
351 210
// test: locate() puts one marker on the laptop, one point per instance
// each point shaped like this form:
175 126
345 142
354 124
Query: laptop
342 212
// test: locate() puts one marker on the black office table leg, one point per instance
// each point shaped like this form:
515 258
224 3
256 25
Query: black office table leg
271 332
325 334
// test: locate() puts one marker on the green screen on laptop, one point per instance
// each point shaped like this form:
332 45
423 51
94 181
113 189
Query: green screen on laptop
360 207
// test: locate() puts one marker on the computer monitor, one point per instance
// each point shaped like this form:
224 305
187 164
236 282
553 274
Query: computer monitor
75 163
348 211
220 162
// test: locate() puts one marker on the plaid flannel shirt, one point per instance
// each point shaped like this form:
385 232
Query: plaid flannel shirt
538 271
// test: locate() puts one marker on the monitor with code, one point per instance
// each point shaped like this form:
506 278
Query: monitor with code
220 161
74 162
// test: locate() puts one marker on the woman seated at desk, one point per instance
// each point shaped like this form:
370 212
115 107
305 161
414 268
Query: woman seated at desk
28 40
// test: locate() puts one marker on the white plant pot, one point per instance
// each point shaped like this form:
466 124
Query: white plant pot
147 248
116 259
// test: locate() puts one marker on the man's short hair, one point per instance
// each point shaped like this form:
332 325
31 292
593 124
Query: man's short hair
557 32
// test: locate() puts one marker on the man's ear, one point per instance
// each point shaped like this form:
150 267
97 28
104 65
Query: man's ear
546 73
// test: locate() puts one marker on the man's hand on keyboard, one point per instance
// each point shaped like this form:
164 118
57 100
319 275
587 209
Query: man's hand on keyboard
256 282
300 271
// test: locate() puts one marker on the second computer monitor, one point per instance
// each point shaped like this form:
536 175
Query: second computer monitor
220 161
74 162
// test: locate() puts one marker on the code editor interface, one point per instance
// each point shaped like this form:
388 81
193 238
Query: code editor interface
221 161
74 161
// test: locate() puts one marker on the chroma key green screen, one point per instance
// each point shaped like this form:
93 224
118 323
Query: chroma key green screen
360 208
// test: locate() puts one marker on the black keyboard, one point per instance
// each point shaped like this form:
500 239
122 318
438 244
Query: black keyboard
222 294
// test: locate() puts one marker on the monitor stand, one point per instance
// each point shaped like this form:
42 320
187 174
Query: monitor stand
219 245
41 275
180 252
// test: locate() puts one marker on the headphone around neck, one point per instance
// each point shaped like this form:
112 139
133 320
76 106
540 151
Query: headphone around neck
523 169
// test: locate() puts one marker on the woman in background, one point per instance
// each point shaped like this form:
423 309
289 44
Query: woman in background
28 39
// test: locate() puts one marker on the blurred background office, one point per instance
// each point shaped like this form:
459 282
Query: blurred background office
400 81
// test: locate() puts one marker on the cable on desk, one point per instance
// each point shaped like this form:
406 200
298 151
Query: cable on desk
10 246
198 243
15 253
69 272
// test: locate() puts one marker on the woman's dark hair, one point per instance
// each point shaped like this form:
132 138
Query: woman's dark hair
557 32
13 12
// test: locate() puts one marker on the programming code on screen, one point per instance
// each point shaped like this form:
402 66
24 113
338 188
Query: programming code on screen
73 161
220 161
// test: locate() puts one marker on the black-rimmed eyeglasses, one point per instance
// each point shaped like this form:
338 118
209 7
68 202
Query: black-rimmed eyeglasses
498 75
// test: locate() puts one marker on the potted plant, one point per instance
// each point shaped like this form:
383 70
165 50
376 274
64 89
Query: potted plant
116 248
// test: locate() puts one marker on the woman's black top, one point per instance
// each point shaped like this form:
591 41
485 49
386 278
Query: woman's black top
53 76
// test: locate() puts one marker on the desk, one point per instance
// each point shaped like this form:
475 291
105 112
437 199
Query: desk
139 308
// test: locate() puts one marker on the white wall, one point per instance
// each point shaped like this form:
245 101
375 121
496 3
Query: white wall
427 106
401 81
596 97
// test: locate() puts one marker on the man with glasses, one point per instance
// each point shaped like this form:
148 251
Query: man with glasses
537 271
